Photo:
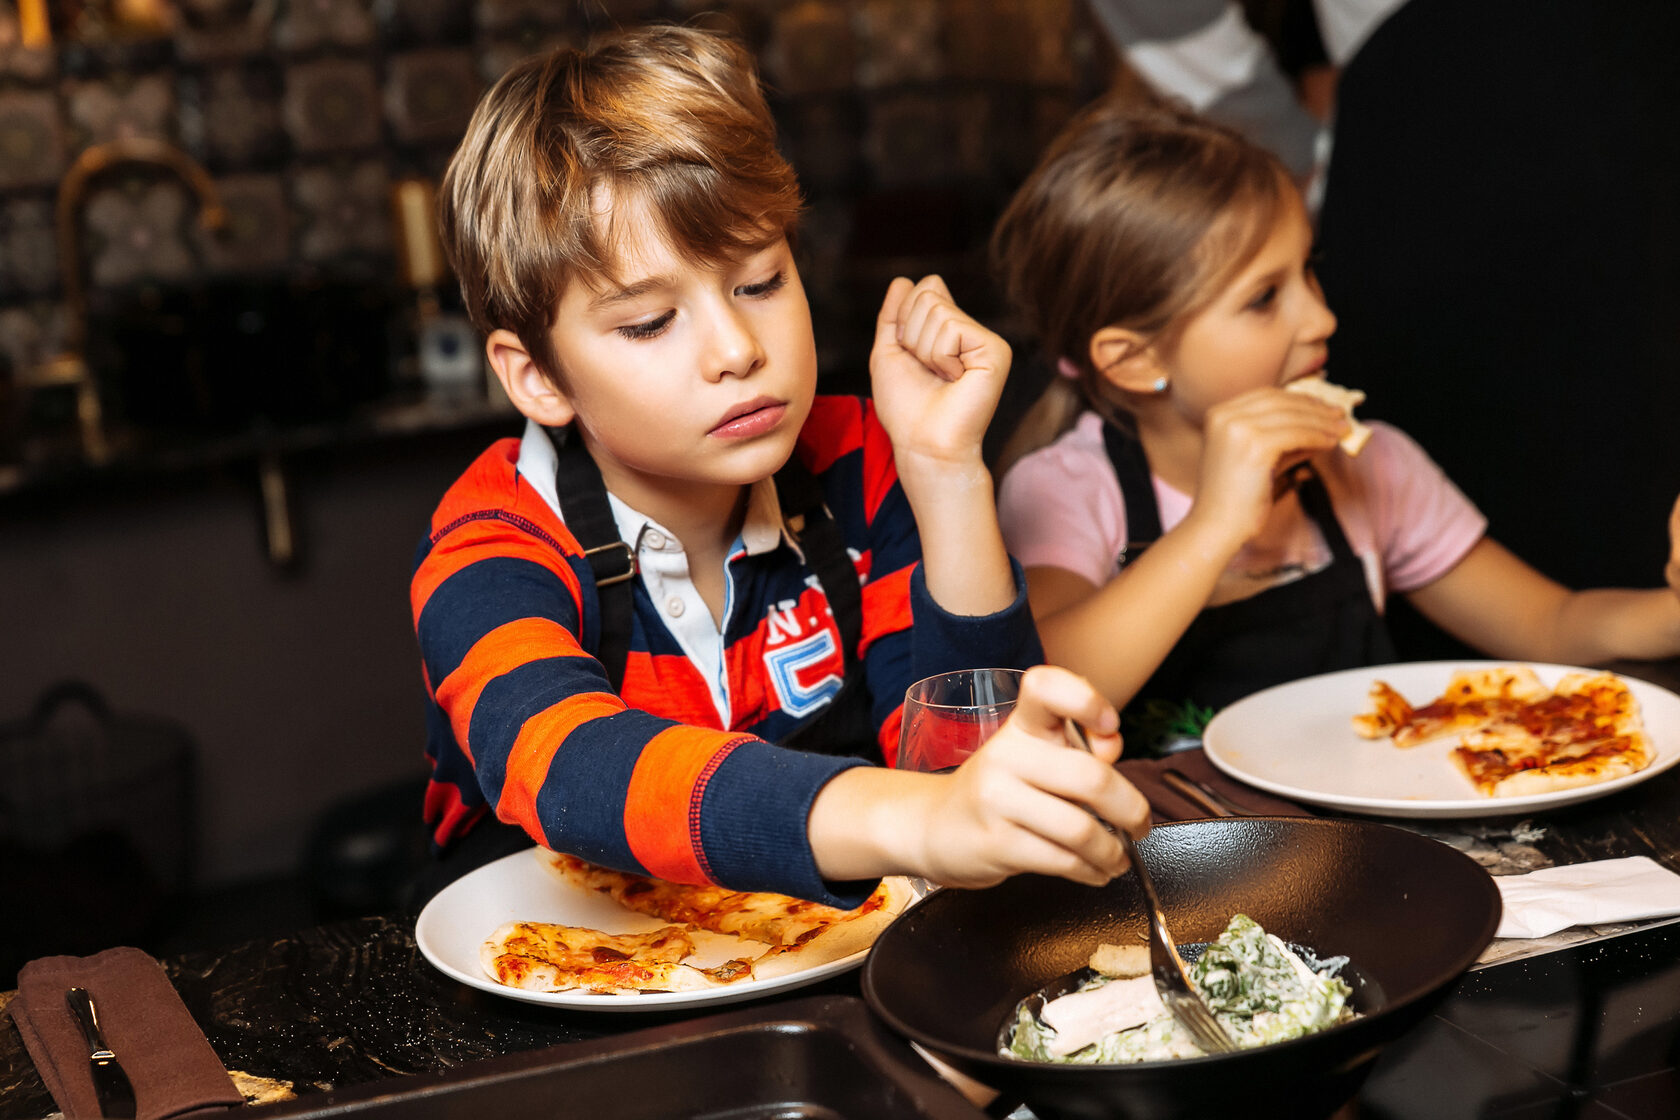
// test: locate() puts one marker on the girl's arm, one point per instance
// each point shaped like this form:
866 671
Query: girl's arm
1118 634
936 376
1494 601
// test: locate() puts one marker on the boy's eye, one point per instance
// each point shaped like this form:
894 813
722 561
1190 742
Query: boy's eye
1264 298
763 287
649 329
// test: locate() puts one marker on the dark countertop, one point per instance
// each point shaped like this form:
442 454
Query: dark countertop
1593 1029
1591 1026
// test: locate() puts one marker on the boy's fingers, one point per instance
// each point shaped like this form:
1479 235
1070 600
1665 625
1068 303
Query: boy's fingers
887 322
923 308
1069 826
1051 695
1031 852
934 282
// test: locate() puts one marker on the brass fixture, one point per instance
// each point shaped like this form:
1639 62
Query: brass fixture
70 367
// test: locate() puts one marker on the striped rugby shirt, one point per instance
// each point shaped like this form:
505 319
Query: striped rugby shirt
523 723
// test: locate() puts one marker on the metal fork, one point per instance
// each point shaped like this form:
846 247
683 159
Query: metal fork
1166 965
1171 980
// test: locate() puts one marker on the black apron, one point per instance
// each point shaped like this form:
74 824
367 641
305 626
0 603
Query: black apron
846 725
1315 624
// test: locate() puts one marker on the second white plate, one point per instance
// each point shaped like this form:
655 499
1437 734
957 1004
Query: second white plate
1297 740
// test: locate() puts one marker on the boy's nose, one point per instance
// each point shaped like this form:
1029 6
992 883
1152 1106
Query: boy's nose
734 347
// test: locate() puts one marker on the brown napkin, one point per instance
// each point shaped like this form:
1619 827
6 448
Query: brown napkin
1170 805
165 1054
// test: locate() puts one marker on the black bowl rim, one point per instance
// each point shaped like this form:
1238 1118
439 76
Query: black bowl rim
993 1060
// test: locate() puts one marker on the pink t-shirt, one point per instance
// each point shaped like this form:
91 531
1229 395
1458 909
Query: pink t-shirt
1060 507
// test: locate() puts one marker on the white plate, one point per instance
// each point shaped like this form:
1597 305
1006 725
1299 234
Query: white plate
1297 740
518 888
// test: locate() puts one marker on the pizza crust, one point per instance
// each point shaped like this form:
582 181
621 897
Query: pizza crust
1336 396
843 938
548 957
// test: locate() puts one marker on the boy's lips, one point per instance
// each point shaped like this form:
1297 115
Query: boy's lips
751 418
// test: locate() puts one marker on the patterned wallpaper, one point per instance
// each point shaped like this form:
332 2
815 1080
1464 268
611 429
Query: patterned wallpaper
909 120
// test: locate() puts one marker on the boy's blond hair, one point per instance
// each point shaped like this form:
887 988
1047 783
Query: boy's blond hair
671 116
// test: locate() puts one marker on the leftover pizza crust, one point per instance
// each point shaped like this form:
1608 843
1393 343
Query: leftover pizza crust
779 935
1337 396
1516 736
546 957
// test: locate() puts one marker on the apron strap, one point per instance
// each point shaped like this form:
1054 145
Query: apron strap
583 494
825 551
1137 490
1315 501
611 561
1143 512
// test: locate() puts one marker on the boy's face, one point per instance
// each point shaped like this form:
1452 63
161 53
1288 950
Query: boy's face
687 379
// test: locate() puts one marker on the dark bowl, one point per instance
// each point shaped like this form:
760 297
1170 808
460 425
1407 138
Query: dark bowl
1410 913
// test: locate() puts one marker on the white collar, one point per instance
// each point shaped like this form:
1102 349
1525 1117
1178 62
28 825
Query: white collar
762 531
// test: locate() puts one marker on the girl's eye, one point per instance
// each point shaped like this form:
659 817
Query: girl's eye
1262 301
763 288
650 329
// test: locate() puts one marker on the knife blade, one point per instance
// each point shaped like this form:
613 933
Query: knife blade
110 1083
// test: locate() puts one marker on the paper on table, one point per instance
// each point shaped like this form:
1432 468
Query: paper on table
1610 890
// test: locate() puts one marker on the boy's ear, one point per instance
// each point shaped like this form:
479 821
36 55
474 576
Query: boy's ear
530 390
1125 359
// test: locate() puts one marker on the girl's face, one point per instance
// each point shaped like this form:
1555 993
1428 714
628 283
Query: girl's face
1267 327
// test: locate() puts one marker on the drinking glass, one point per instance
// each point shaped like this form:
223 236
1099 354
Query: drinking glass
948 716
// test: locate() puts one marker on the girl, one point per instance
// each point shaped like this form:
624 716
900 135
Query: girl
1195 533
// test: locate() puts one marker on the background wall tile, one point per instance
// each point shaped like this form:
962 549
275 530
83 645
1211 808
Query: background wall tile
31 139
331 105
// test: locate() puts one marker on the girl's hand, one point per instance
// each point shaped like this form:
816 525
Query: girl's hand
1018 803
1249 444
936 373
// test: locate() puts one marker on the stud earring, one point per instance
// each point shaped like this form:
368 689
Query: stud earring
1160 385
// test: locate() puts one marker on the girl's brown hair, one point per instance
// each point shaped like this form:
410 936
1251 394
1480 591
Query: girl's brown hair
1136 216
670 115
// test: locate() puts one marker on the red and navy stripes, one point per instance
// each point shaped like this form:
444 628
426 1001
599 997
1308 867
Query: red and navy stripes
523 722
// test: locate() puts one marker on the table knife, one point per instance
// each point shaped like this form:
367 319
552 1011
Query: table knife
110 1083
1202 795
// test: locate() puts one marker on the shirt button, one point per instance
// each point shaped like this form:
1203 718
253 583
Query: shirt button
654 539
674 607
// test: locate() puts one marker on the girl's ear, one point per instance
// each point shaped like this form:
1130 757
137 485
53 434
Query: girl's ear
530 390
1126 360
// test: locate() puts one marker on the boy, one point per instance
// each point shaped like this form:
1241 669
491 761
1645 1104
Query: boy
620 611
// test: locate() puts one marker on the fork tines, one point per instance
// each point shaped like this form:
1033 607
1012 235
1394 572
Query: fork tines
1207 1031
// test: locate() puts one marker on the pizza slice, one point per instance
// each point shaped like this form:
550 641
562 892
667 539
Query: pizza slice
1337 397
1473 699
1516 736
546 957
800 933
1501 771
775 919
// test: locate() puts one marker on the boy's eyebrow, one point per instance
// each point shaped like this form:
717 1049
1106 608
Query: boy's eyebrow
628 292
